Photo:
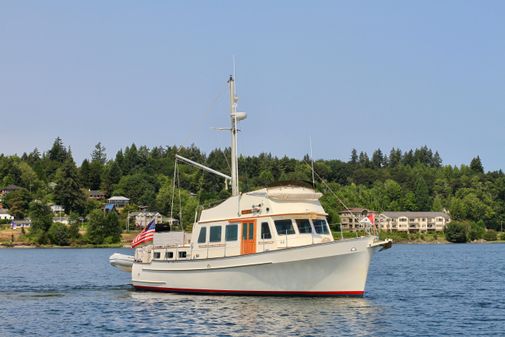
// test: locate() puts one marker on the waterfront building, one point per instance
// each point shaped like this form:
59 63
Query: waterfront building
22 223
96 194
6 190
413 221
4 214
350 219
143 218
57 209
118 201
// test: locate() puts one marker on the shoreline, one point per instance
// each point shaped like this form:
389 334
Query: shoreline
23 245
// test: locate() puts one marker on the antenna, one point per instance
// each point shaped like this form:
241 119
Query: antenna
312 163
234 69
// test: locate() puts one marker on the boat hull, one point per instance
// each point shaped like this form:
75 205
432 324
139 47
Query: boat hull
337 268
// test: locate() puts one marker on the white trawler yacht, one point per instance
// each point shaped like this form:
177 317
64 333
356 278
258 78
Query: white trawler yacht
273 241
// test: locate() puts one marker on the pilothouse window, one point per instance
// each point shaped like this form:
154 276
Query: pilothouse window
284 227
303 226
215 234
265 231
203 235
232 232
321 226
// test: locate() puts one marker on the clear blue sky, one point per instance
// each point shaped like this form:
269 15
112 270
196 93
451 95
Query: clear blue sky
362 74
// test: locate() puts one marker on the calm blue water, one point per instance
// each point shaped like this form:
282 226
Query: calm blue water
412 290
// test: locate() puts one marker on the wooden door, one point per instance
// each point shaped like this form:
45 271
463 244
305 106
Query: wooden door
248 244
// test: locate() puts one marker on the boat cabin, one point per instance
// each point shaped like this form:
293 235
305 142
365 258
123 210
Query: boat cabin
249 223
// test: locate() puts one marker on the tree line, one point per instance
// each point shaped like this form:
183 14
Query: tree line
414 180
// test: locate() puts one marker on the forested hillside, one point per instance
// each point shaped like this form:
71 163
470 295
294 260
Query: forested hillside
412 180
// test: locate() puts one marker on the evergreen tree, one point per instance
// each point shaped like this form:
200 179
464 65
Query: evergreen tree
395 157
437 204
42 219
377 159
437 161
18 202
84 173
58 152
476 165
111 177
423 202
354 157
68 189
98 154
363 159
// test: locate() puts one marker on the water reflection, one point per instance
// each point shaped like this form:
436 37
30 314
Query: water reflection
263 316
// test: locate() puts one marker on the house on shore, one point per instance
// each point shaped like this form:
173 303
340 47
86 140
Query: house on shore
4 214
6 190
96 194
118 201
142 219
22 223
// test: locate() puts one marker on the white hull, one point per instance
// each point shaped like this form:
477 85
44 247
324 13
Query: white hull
333 268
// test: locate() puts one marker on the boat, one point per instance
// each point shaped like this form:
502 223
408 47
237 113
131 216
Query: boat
271 241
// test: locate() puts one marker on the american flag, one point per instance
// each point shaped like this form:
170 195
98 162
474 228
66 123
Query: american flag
146 234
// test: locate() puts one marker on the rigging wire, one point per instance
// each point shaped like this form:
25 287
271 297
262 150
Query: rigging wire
173 193
336 197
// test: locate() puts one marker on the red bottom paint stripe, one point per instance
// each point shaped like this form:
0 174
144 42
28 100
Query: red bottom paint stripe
251 292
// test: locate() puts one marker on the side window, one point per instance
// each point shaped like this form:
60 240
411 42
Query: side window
284 227
157 255
182 255
320 226
265 231
231 232
303 226
203 235
169 255
215 234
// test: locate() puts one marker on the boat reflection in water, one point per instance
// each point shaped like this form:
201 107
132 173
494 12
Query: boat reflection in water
262 315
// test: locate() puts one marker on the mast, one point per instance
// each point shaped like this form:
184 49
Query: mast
235 118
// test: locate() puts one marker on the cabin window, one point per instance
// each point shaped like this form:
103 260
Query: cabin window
157 255
265 231
203 235
232 232
284 227
169 255
303 226
182 255
215 234
320 226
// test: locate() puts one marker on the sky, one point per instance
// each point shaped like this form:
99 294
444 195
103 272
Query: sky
343 74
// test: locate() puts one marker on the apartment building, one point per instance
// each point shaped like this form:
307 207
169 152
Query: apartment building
350 219
412 221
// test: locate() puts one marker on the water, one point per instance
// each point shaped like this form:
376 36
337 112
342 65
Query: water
412 290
